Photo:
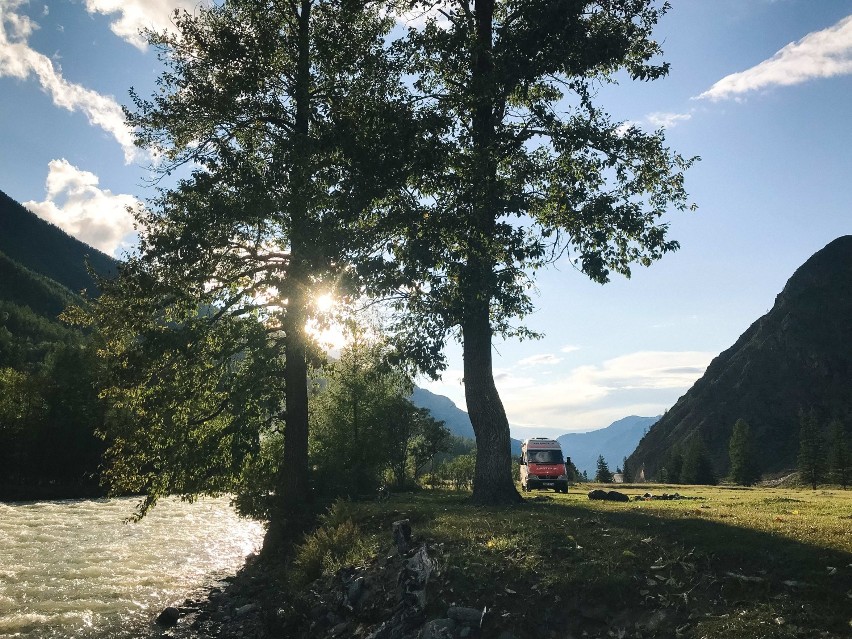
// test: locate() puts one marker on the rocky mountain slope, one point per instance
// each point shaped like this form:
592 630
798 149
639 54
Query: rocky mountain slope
796 357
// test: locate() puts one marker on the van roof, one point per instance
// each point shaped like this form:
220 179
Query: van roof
542 442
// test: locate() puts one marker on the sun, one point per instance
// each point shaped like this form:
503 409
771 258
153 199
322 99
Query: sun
325 302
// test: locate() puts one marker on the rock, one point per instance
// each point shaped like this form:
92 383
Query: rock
438 629
402 535
169 617
611 495
242 611
465 616
354 590
656 620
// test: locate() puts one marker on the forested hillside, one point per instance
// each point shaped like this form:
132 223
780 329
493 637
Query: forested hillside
46 249
49 405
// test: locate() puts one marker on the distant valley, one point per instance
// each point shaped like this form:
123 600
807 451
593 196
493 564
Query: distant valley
615 442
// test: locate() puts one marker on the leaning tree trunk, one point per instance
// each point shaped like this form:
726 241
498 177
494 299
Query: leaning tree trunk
492 481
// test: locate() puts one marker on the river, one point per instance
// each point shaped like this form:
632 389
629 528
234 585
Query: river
74 569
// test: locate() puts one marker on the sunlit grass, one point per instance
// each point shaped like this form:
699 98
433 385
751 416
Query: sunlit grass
725 562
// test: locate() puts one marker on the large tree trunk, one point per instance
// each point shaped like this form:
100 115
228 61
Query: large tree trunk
294 486
492 483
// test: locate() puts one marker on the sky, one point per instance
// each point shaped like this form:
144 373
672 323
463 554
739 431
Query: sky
761 90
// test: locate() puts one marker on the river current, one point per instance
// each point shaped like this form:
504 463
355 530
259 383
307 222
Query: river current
74 569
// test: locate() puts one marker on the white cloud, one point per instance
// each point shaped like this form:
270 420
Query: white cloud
667 120
18 60
135 15
545 359
75 204
821 54
569 348
610 389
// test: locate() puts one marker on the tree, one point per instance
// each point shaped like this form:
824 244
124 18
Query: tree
289 115
363 422
603 474
742 454
839 458
527 168
811 460
697 467
431 438
671 468
574 475
628 471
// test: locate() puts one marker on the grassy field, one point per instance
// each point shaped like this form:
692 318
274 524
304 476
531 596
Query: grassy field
723 562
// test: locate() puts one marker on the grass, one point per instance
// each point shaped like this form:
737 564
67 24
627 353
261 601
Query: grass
726 562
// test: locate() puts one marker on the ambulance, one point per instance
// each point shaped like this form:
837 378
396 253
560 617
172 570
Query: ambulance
543 465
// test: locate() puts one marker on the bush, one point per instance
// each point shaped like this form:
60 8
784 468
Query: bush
337 542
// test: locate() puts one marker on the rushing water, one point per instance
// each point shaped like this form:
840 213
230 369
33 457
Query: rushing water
74 569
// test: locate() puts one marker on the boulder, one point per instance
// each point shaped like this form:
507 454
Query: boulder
466 616
438 629
169 617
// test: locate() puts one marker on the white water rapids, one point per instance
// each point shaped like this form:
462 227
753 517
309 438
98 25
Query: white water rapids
73 569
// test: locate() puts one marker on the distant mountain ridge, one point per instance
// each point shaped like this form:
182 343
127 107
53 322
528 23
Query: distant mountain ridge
615 442
456 420
47 250
796 357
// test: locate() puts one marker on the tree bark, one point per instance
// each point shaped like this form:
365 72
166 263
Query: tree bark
492 483
294 482
492 480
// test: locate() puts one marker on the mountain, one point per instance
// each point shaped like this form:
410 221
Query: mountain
615 442
443 408
43 248
795 358
49 406
20 285
456 420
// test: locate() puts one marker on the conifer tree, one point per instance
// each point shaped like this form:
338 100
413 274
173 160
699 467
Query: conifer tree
603 474
697 467
628 471
743 457
840 462
811 460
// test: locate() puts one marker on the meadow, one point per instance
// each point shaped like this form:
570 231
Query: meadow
721 562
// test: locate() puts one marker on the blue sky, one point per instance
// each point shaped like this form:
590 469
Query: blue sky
760 89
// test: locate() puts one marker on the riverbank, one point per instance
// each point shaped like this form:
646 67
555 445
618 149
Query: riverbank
734 563
231 608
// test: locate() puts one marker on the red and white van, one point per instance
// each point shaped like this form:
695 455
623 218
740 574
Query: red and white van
543 465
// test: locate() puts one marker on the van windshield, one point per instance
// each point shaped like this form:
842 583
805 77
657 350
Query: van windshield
545 457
